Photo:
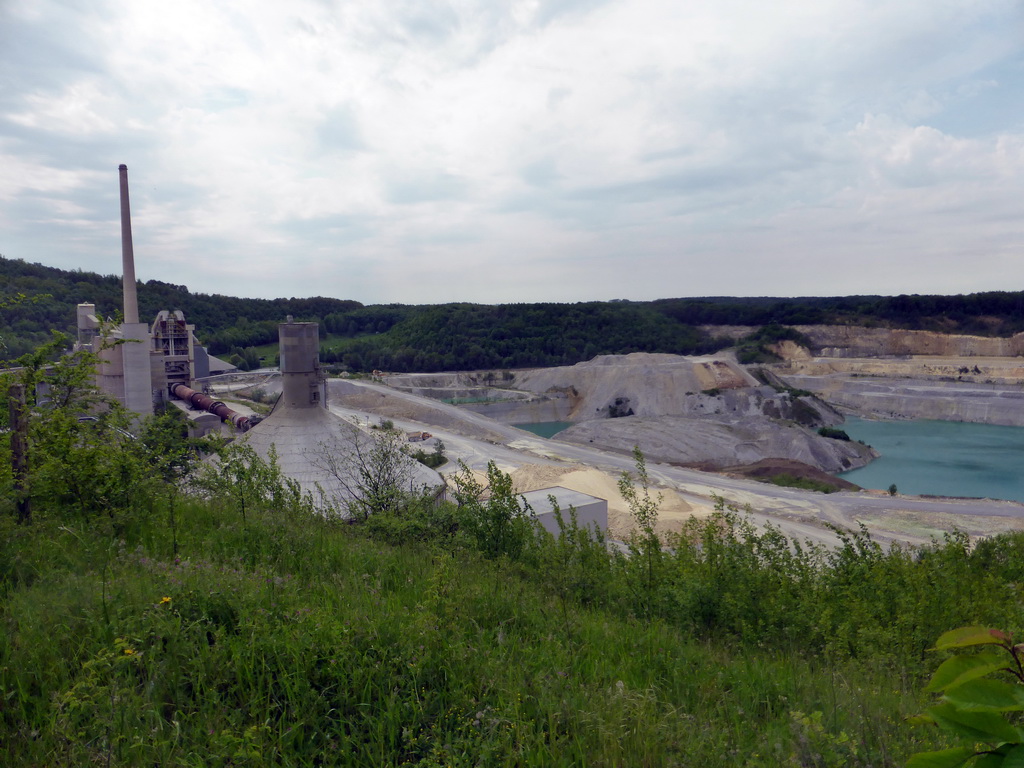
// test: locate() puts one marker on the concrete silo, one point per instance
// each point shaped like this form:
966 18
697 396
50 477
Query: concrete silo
301 380
323 452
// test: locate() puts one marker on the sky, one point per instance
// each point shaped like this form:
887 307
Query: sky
427 151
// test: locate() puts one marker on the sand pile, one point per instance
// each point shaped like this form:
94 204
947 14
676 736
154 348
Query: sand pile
674 510
534 477
647 384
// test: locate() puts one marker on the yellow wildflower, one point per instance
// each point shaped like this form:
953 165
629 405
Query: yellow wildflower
164 600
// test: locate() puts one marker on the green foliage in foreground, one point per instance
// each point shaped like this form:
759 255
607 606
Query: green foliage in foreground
976 698
156 613
289 640
283 638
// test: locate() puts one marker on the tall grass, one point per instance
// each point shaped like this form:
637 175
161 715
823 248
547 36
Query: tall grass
290 640
282 638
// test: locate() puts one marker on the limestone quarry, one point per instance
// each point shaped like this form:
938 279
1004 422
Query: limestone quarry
896 374
698 411
714 413
711 413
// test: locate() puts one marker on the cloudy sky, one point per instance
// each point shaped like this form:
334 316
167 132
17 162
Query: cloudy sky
424 151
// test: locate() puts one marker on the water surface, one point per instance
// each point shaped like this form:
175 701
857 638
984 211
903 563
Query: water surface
943 458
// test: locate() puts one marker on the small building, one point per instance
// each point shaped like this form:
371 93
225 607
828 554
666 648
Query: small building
591 511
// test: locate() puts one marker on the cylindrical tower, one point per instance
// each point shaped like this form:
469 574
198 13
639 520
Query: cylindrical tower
131 302
138 382
302 383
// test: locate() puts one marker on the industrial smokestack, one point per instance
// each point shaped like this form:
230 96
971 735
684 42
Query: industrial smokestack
131 301
138 384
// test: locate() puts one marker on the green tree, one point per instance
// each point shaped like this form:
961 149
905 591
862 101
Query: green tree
644 544
498 520
172 457
974 703
374 470
81 456
241 475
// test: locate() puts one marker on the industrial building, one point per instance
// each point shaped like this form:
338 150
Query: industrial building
591 511
142 366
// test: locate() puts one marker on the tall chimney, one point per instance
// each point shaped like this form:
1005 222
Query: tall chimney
131 301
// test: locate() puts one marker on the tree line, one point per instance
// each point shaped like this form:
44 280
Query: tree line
471 336
464 336
222 322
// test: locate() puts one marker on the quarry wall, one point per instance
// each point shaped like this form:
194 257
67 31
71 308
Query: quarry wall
852 341
857 341
892 373
917 397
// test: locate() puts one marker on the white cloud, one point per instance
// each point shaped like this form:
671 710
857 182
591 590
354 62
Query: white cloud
427 151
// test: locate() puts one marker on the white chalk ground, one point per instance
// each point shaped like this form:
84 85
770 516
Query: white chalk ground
535 463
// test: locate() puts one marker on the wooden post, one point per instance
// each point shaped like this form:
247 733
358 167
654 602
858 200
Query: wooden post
19 450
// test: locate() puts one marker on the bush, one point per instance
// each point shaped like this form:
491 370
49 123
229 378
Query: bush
503 524
753 348
833 433
787 480
435 458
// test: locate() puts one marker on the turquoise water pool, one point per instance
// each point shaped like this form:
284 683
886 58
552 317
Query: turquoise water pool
943 458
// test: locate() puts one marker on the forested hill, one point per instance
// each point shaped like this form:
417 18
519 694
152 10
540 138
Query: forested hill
466 336
223 321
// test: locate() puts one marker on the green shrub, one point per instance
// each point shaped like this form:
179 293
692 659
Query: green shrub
787 480
833 433
232 625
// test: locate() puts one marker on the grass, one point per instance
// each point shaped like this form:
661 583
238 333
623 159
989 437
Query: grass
239 628
290 640
787 480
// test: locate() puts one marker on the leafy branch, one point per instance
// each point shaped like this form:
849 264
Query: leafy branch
975 705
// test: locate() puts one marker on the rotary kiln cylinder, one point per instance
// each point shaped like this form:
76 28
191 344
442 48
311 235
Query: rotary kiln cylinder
300 365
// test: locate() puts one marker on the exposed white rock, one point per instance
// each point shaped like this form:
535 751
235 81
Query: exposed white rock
708 409
648 384
918 398
719 443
